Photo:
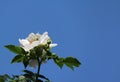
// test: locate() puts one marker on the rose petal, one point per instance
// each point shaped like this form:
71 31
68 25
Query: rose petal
38 35
53 45
32 37
44 38
24 42
35 43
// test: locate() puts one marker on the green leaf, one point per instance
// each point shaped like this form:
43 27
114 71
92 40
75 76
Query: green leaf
42 76
16 49
52 56
17 59
71 62
4 77
29 77
26 61
28 72
59 62
39 80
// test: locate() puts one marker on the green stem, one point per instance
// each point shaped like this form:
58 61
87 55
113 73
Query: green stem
38 71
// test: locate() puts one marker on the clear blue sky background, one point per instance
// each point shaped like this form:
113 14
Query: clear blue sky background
86 29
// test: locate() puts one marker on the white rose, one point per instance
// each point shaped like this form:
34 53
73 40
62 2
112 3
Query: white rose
34 40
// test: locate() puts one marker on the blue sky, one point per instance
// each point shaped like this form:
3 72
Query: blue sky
86 29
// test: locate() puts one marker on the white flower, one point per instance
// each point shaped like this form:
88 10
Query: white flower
34 40
21 79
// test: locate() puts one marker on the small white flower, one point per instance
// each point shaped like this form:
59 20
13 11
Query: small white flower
33 63
21 77
34 40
